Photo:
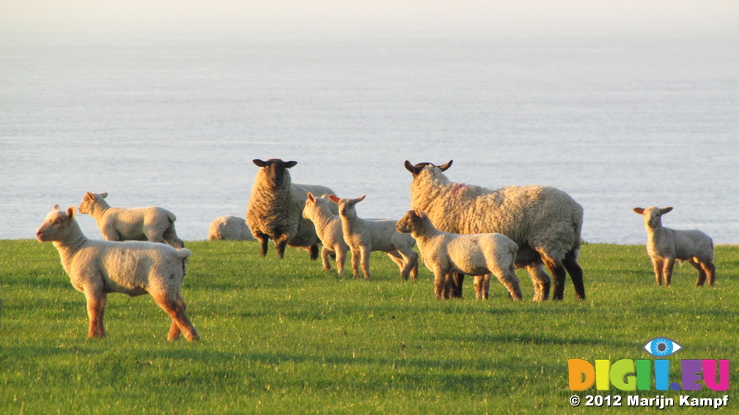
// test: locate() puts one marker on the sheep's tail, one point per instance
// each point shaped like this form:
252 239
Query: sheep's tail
171 216
183 253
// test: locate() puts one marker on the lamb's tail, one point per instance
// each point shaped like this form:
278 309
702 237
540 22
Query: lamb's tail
171 216
183 253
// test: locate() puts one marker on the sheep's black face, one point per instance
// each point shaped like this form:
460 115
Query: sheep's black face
276 170
418 168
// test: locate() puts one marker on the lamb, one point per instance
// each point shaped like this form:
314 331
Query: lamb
665 245
276 205
151 223
231 228
479 254
328 229
364 236
544 222
97 268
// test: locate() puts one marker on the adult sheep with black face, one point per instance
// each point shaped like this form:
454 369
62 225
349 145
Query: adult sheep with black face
544 221
276 206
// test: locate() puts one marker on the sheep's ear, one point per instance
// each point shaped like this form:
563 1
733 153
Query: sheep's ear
665 210
411 168
259 163
334 199
70 211
55 207
89 195
359 199
103 195
419 213
290 164
311 197
444 167
639 210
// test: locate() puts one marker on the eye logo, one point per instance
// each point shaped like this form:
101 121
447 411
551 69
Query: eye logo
661 347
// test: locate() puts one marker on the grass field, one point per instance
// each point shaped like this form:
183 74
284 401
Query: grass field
288 337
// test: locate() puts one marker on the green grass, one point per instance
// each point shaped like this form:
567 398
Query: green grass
287 337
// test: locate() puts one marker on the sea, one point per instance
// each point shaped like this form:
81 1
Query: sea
175 120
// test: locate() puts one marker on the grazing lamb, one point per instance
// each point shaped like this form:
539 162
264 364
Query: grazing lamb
544 222
276 206
364 236
479 254
97 268
665 245
328 229
151 223
229 228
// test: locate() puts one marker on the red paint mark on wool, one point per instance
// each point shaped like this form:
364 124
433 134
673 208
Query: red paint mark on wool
458 189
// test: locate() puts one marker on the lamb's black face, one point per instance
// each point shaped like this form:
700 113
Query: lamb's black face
276 170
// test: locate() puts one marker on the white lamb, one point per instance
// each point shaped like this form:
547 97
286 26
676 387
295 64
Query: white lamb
97 268
544 222
151 223
328 229
665 245
479 254
276 206
364 236
229 228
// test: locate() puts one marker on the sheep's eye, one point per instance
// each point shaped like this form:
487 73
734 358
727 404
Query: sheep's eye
58 221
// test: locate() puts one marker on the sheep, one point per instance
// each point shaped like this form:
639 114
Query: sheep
151 223
544 222
364 236
97 268
276 205
231 228
328 229
665 245
479 254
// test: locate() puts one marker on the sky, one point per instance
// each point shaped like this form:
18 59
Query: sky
367 17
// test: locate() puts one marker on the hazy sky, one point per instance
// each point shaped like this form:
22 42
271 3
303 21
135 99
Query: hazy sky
369 16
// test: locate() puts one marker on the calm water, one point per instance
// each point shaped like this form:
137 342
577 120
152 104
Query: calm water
175 121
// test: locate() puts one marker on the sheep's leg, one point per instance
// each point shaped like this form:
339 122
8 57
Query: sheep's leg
152 235
541 281
281 245
711 271
176 310
340 260
482 287
447 286
440 285
510 281
365 253
170 237
96 302
411 263
456 284
325 252
313 249
669 265
559 275
414 270
573 268
263 241
658 265
356 256
399 261
701 273
174 330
